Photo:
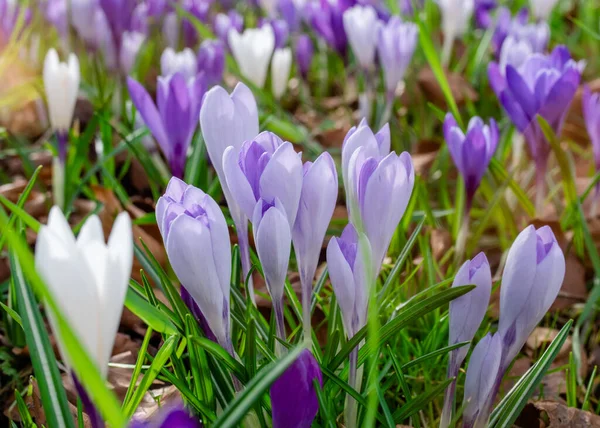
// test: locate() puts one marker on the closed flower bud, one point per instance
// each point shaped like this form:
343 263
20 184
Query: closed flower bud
533 275
61 83
183 62
252 51
541 9
294 400
223 23
168 417
197 242
396 42
591 114
473 152
281 66
211 61
362 25
346 262
174 118
304 54
317 202
87 278
132 42
281 31
480 383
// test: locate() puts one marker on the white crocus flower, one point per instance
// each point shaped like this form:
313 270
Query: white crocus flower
183 62
541 9
61 83
252 51
131 44
88 279
281 65
456 15
362 25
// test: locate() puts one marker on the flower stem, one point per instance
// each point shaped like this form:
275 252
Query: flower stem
540 188
463 233
58 182
450 393
280 326
241 227
351 412
306 306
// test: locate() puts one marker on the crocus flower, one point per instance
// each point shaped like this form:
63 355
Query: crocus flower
173 119
472 152
533 275
118 15
591 114
505 24
61 83
211 60
168 417
289 12
317 202
252 51
88 280
541 9
183 62
281 32
381 188
198 9
545 86
362 26
466 314
170 30
83 16
9 14
227 121
294 400
132 42
281 66
326 18
269 6
396 42
481 379
139 19
346 262
197 243
55 12
304 54
455 21
376 144
273 239
483 12
264 168
223 23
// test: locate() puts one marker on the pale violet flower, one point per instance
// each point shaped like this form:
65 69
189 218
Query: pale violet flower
541 9
130 47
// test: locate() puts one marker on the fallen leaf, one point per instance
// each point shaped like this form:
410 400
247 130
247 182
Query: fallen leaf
552 414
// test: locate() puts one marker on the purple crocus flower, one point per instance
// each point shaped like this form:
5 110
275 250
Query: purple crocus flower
211 61
591 114
227 121
9 14
191 223
139 19
376 144
396 42
294 400
466 314
173 119
346 261
264 168
481 380
281 31
56 14
545 86
483 12
533 275
317 202
199 9
291 15
304 54
326 18
381 188
225 22
265 179
505 23
361 25
132 42
118 15
472 152
169 417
